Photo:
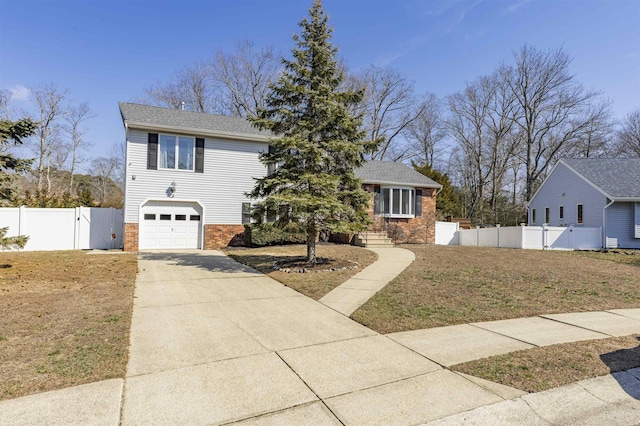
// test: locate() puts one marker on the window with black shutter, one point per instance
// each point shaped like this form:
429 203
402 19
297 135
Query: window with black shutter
199 155
152 152
418 202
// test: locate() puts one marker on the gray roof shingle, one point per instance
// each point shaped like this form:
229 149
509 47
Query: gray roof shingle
618 177
133 114
391 173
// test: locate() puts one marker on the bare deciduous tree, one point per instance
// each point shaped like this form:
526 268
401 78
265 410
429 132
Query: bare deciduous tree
242 78
553 108
103 169
628 136
389 108
50 103
469 112
76 116
427 132
190 85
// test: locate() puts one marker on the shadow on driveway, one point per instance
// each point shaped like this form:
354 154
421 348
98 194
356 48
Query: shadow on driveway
206 261
620 361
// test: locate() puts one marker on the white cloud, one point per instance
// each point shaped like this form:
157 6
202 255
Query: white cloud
20 92
517 5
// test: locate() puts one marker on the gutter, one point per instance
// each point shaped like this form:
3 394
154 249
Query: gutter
198 132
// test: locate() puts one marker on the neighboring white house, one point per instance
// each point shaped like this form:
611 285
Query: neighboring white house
592 192
186 177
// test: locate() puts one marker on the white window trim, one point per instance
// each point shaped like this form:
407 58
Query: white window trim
177 146
412 202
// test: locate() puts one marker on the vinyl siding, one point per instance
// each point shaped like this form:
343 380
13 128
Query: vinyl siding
576 191
620 226
229 169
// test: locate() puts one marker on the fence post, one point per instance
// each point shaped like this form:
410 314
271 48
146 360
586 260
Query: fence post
21 224
522 236
545 236
571 238
498 231
478 236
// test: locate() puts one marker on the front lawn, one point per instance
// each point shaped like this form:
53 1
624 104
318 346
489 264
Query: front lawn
539 369
65 319
311 284
449 285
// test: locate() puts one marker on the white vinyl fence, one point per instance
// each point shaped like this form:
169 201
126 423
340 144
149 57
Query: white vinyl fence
65 229
532 237
447 233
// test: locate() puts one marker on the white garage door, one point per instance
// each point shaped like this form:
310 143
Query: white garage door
170 225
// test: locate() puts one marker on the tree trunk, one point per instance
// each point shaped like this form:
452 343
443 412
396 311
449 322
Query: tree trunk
312 232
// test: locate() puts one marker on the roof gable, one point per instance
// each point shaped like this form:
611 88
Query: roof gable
137 115
619 178
392 173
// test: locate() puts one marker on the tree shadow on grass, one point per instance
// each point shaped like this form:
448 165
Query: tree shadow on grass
619 362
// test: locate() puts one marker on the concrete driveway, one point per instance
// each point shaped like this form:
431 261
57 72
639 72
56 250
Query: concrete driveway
213 341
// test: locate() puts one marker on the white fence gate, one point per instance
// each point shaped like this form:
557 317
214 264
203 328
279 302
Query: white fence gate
65 229
533 237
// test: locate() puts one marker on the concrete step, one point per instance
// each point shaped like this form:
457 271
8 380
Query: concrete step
373 239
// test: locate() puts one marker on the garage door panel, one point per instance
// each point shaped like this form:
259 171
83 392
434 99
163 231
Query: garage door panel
169 225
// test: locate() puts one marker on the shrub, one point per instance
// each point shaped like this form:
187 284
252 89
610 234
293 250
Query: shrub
269 234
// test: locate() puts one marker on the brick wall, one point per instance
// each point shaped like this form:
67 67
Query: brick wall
130 237
417 230
218 236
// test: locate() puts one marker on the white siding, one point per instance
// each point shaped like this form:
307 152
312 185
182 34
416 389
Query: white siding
576 191
229 169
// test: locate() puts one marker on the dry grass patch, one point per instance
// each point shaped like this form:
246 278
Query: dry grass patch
65 319
311 284
539 369
449 285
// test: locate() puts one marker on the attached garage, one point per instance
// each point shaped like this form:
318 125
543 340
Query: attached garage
170 225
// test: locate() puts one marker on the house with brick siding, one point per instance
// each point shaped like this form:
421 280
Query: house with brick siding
187 174
403 203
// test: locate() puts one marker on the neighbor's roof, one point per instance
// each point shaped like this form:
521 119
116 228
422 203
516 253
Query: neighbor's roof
391 173
151 117
619 178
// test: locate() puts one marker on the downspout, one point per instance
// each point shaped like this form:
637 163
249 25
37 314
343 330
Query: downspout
604 225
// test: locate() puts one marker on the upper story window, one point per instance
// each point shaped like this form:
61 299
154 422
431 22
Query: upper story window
176 152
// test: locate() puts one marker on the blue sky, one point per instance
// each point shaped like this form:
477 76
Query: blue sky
109 51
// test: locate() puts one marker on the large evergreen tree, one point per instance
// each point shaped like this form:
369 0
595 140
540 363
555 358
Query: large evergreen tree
14 131
316 140
9 166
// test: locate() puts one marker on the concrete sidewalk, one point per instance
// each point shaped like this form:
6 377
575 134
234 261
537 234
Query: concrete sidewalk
215 342
354 292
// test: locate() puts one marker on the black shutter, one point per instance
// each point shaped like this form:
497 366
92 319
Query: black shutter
376 200
271 168
418 202
152 152
199 155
